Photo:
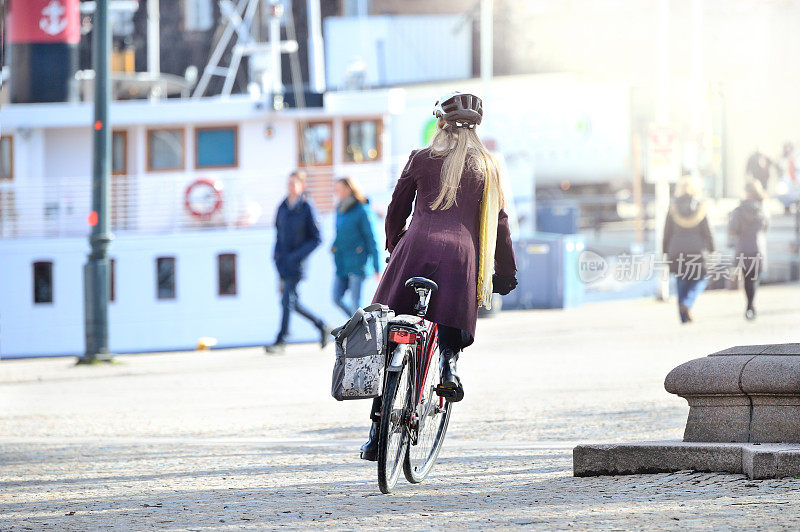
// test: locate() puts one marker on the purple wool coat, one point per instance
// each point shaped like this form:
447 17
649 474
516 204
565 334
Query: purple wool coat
441 245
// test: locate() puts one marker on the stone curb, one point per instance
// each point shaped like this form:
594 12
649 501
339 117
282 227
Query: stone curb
757 461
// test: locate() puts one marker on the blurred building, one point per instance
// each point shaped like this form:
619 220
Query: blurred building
747 72
749 75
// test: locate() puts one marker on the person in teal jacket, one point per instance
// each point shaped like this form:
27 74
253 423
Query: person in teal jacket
354 246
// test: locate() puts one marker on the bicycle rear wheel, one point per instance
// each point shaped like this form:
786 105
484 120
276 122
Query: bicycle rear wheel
393 428
434 416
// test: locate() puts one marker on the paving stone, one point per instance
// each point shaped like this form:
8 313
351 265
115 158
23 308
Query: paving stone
230 439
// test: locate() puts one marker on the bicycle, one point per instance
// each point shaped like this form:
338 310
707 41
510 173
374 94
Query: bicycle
415 412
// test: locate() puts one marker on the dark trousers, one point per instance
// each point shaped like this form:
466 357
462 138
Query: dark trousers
449 338
750 274
750 287
452 338
290 301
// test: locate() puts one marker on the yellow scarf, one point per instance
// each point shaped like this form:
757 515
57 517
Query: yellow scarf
487 237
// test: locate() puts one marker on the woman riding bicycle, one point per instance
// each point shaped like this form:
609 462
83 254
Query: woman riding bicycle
458 237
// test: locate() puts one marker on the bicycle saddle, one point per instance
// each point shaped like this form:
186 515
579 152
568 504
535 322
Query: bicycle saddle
421 282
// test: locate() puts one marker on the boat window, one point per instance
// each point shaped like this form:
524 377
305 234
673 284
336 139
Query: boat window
6 158
226 274
165 149
362 141
316 144
43 282
119 152
165 277
215 147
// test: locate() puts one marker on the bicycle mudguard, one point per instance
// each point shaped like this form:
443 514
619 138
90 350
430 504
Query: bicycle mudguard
398 357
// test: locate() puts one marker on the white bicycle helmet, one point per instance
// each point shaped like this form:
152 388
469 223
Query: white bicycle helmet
459 109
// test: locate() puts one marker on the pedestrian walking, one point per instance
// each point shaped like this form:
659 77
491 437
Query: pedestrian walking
458 237
354 245
758 166
747 231
687 243
296 236
788 165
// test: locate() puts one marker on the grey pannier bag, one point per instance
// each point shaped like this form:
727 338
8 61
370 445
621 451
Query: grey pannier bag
361 354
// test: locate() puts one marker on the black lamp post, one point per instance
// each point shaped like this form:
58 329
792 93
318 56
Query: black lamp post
96 271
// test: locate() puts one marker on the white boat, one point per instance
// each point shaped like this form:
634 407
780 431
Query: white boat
194 192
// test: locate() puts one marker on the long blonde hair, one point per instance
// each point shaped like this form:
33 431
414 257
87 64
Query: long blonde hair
461 147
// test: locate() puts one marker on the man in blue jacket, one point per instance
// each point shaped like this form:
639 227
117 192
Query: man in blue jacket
296 236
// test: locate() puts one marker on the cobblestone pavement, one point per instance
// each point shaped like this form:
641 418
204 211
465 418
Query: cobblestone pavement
238 439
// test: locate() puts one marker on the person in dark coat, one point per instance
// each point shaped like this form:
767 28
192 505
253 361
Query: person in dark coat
758 166
354 245
296 236
453 186
747 229
687 242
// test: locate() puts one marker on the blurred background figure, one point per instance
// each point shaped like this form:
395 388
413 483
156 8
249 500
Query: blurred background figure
354 246
687 242
788 164
747 229
759 166
297 235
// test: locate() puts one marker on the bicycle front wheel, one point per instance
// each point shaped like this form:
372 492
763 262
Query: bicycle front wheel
433 414
393 428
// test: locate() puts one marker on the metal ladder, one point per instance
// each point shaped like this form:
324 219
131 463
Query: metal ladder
238 19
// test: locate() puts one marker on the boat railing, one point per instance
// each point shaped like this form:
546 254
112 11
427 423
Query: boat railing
146 204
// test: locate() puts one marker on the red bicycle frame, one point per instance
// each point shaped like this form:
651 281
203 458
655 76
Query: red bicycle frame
424 355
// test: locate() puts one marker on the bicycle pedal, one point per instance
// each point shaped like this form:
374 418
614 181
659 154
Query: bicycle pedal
447 393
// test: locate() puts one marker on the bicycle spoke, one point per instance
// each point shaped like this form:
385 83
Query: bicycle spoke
394 430
432 425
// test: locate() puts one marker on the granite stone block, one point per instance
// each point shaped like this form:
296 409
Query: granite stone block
717 419
742 350
707 376
782 349
754 460
771 374
655 457
741 394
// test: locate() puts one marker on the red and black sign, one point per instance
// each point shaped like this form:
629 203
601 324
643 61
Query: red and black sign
43 38
44 21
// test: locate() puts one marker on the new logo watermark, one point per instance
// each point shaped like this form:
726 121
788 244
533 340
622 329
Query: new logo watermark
591 267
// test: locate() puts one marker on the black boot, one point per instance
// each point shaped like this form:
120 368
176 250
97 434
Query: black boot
450 388
369 451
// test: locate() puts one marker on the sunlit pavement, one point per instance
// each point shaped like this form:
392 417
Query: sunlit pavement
240 439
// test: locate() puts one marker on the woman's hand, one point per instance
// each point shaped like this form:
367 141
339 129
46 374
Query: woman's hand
503 284
377 277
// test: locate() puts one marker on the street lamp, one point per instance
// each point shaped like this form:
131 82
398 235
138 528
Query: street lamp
96 271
